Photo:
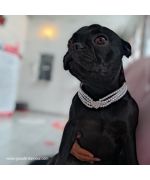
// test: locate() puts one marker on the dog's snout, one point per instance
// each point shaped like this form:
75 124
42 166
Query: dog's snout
78 46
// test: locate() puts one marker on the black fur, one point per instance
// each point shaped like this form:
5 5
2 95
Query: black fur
109 133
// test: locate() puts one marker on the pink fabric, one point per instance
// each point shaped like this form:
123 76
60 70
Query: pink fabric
138 80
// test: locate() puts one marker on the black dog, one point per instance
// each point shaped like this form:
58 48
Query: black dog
95 57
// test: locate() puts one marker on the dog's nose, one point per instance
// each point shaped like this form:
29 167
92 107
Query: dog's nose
78 46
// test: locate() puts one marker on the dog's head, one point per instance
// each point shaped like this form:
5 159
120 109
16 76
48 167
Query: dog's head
95 53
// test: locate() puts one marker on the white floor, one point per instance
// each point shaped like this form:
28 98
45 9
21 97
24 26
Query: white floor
28 136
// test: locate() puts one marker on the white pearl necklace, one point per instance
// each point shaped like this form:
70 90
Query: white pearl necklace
105 101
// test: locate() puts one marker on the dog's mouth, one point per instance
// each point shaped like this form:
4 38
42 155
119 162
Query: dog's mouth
85 60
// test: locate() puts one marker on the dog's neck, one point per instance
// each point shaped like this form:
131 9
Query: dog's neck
103 89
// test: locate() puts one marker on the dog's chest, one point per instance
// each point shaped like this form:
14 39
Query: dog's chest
100 124
101 131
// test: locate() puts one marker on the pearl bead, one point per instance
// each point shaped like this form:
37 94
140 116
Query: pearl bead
105 101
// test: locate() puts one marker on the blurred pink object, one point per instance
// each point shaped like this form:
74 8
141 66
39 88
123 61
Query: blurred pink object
14 49
58 125
138 81
49 143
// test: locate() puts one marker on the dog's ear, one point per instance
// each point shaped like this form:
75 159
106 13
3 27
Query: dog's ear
126 48
66 61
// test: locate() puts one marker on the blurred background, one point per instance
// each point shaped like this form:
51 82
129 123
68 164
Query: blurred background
35 91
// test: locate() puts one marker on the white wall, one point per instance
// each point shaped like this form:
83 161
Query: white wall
56 95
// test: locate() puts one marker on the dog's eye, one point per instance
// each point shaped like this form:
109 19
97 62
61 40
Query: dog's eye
100 40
